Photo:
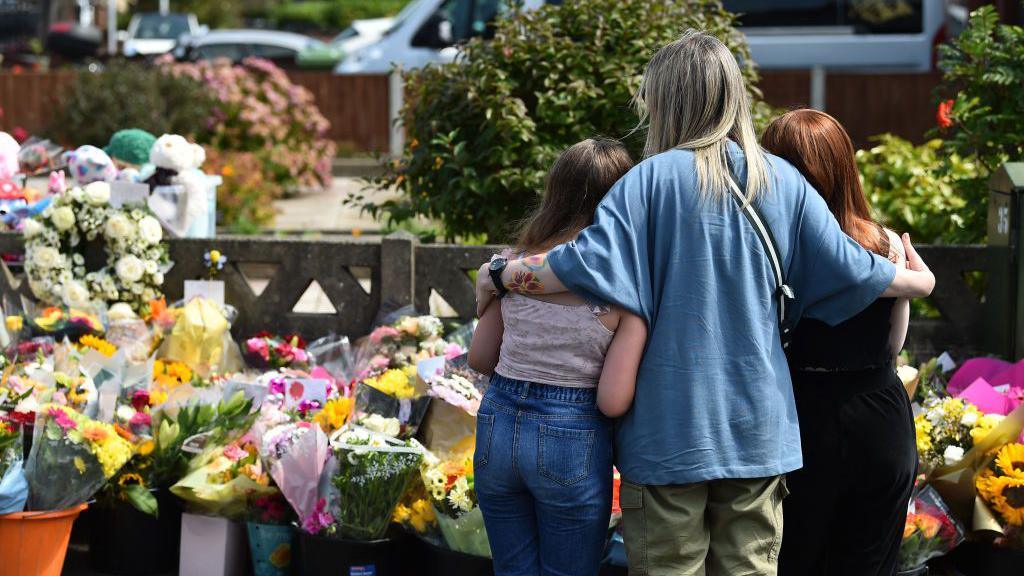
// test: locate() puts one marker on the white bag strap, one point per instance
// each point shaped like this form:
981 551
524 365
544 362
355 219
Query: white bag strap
783 292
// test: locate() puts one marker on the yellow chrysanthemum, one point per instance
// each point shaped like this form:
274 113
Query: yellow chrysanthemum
1010 461
985 425
394 382
924 439
98 344
334 414
112 453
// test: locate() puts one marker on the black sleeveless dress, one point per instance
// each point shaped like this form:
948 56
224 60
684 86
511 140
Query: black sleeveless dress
847 505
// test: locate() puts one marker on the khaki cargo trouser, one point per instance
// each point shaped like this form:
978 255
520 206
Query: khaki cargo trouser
729 527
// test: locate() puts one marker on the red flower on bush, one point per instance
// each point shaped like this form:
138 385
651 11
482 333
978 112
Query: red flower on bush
942 116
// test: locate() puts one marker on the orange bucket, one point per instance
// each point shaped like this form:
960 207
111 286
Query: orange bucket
34 543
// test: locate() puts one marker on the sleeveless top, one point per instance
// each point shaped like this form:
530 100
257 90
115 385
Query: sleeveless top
860 343
549 343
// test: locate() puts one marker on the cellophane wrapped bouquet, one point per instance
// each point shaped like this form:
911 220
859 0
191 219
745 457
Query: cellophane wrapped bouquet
13 486
948 428
449 483
1001 487
200 337
388 383
293 441
930 530
373 472
72 457
226 480
267 351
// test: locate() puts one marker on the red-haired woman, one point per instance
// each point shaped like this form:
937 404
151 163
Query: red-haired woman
848 504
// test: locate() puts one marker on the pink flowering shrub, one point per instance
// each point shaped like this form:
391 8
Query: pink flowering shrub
258 109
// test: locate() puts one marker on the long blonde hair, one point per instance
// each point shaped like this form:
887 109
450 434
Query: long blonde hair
693 97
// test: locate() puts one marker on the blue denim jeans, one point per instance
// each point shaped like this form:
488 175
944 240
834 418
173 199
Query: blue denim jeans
543 476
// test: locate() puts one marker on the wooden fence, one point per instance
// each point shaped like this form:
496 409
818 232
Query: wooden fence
357 106
267 278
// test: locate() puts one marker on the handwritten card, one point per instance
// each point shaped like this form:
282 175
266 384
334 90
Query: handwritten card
208 289
128 194
301 390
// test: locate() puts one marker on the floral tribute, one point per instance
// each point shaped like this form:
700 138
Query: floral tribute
72 459
1002 488
267 351
132 239
948 428
373 473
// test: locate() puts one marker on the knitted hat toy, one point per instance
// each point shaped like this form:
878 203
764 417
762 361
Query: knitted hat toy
130 146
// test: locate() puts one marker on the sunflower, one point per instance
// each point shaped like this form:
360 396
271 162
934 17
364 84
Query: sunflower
130 478
98 344
1006 495
1010 461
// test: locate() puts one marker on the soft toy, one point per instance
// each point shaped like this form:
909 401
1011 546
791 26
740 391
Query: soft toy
89 164
177 163
9 149
17 203
38 155
130 147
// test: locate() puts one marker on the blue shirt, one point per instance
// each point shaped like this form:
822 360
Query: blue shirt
714 397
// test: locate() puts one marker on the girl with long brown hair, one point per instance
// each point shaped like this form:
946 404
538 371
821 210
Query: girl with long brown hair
560 367
848 503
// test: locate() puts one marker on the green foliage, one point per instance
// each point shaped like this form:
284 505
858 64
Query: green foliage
128 95
984 68
245 197
332 14
483 132
218 14
922 190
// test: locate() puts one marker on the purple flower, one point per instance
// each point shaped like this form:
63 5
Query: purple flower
276 386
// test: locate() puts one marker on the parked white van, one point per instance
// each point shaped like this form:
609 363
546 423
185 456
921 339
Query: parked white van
793 34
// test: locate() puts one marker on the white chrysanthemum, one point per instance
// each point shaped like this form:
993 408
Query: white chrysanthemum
150 230
75 294
952 455
121 311
378 423
31 228
97 193
459 495
129 268
119 227
969 418
125 413
63 218
45 257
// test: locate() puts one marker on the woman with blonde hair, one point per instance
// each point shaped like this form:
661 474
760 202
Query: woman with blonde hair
713 427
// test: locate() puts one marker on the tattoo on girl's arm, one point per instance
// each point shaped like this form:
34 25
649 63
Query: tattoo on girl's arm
536 263
526 283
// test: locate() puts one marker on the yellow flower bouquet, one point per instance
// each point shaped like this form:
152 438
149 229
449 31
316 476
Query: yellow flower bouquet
72 458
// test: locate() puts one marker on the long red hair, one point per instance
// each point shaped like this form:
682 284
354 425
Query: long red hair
818 146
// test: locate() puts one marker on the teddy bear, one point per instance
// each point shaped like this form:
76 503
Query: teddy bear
177 162
88 164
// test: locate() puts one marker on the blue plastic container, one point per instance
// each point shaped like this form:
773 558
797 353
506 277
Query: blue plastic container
271 548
